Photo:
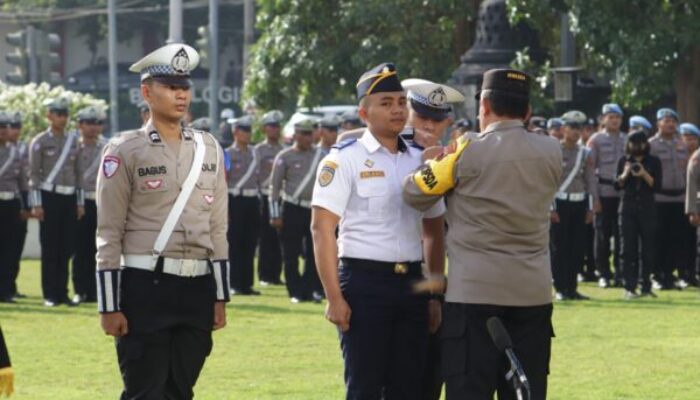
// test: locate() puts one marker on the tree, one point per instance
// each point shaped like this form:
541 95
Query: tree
649 48
311 52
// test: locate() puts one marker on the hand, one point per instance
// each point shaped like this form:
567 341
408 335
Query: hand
434 315
219 315
597 206
24 215
38 213
432 152
114 324
589 217
433 284
628 168
641 172
694 219
276 223
554 217
425 138
338 312
80 212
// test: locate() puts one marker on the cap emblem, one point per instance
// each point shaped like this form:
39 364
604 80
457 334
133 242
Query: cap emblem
437 97
181 62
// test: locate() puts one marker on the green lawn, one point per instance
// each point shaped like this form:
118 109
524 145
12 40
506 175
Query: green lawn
605 349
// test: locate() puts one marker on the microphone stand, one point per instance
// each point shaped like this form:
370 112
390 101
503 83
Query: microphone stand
517 377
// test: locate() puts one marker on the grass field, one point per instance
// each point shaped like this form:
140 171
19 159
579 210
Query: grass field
606 348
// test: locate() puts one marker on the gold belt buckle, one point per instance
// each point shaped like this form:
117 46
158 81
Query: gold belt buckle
401 268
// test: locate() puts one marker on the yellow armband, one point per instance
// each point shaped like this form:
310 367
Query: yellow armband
7 381
436 177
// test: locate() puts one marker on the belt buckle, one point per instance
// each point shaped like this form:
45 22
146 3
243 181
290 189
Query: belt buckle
187 268
401 268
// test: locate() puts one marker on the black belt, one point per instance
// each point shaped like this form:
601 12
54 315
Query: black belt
671 192
606 181
408 268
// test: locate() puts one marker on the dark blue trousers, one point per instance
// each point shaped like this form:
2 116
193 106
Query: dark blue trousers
385 348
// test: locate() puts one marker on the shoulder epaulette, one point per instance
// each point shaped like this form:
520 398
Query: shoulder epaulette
344 143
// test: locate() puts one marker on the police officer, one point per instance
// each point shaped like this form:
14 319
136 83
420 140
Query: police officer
54 181
291 185
19 237
499 266
13 180
672 227
243 207
572 209
90 123
692 204
537 124
144 112
328 127
554 128
225 131
639 175
607 146
162 267
588 268
378 249
269 250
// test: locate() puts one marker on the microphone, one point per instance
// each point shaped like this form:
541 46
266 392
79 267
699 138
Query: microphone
501 339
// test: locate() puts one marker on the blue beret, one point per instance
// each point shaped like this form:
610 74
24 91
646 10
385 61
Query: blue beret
612 108
666 112
638 120
382 78
554 123
689 129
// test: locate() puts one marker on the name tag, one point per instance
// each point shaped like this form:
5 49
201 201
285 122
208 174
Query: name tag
371 174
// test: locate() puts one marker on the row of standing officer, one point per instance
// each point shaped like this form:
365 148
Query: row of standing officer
54 178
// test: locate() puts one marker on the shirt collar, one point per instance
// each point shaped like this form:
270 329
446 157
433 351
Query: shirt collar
372 144
501 125
154 137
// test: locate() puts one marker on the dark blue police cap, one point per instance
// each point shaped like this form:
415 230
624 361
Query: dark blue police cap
382 78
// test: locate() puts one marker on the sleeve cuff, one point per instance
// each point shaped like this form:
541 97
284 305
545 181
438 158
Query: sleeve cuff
275 209
220 269
35 198
80 197
24 198
108 282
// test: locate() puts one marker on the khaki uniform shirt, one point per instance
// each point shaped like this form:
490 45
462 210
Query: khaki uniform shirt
45 150
266 153
14 177
693 184
241 162
606 150
585 180
291 168
89 163
139 180
674 156
498 213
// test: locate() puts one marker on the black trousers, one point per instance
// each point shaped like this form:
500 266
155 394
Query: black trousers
568 244
57 238
269 250
386 346
170 321
297 241
242 238
19 247
11 227
687 269
84 261
606 224
588 268
671 243
638 225
432 377
475 369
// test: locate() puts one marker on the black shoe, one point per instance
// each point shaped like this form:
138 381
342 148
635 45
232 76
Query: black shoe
251 292
50 303
9 299
648 293
579 296
277 282
559 296
317 297
244 292
19 295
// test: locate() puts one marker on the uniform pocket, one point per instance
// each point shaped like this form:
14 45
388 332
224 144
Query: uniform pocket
129 347
204 193
454 340
374 192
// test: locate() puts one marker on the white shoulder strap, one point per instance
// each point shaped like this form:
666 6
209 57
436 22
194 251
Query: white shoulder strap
249 172
574 170
96 162
10 158
183 197
309 174
61 159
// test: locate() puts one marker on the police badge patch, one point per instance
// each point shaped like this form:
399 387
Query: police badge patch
437 97
110 165
181 62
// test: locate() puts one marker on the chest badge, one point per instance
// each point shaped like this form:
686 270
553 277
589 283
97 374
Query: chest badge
153 184
369 163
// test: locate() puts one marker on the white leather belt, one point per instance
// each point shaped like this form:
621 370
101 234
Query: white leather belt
265 192
571 196
244 192
300 203
91 195
60 189
172 266
8 195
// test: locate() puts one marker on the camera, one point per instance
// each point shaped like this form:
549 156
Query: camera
636 167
